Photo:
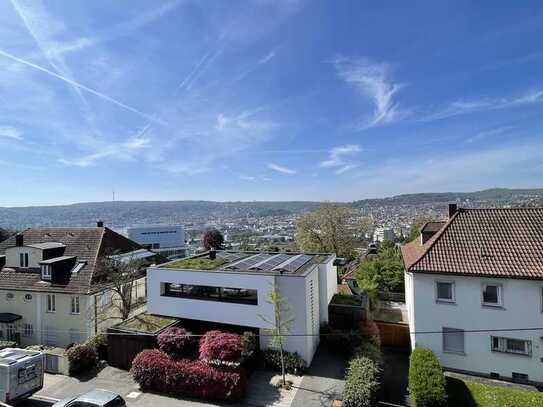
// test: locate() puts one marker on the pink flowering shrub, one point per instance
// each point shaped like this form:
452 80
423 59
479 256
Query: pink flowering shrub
222 346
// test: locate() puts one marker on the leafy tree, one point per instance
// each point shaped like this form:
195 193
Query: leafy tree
364 226
417 225
326 230
4 234
120 276
213 239
280 325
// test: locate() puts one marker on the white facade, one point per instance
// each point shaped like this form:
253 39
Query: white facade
382 234
520 306
168 240
307 296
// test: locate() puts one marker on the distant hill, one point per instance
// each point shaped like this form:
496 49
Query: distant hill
494 196
127 213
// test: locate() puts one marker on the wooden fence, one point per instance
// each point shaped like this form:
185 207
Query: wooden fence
394 335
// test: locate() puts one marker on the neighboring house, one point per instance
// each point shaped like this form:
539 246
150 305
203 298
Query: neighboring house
474 292
236 293
50 292
167 240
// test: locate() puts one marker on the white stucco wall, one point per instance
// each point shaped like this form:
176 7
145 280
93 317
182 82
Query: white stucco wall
522 308
34 256
328 287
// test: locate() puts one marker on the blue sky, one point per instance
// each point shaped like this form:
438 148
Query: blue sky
267 100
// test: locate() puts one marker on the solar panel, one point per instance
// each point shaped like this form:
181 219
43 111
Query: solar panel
248 262
272 262
232 256
295 264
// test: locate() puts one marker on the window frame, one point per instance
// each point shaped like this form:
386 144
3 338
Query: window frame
453 330
75 308
24 260
51 303
167 292
28 330
453 292
499 304
46 272
503 345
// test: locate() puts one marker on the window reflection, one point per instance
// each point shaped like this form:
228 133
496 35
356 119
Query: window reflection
224 294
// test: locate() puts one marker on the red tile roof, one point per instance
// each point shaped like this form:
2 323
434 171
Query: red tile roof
483 242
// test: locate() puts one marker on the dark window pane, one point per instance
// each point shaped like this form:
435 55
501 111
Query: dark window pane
490 294
444 291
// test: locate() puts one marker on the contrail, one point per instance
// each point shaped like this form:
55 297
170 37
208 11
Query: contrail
78 85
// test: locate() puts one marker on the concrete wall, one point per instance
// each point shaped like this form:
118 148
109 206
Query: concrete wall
327 287
522 308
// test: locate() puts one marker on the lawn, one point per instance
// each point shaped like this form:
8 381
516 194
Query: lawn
470 394
197 263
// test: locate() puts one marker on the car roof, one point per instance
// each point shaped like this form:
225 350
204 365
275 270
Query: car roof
98 395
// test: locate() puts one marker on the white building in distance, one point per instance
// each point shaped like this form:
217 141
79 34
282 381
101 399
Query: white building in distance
168 240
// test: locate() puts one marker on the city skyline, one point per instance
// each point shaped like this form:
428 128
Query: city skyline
265 100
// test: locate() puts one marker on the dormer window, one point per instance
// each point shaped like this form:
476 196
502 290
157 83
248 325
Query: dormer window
46 272
23 260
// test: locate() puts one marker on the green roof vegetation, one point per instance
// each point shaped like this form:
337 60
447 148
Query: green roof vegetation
342 299
197 263
146 323
470 394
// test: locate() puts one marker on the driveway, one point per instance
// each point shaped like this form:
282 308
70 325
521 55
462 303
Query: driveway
324 382
259 392
395 377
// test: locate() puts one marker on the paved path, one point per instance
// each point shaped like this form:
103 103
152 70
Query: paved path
324 382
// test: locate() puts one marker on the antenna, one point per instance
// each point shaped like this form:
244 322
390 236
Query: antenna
113 195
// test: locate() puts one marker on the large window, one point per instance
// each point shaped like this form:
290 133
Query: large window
453 340
204 292
492 295
74 308
510 345
23 260
51 303
46 272
444 291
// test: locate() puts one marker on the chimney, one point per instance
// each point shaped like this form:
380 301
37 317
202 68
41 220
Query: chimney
212 254
100 224
19 240
453 208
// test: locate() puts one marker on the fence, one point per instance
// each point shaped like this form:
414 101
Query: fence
394 335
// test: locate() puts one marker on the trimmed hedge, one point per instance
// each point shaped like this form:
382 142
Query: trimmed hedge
176 342
371 351
82 358
427 385
222 346
156 371
361 382
294 364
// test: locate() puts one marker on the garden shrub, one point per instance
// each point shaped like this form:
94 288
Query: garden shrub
248 340
340 341
294 363
176 342
99 344
370 331
221 346
371 351
156 371
7 344
82 358
361 382
427 385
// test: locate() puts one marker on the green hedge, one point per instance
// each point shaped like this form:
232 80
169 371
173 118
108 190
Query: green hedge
361 382
427 386
371 351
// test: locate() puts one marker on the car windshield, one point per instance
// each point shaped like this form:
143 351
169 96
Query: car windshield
116 402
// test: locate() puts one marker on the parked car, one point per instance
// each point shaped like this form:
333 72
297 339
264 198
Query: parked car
21 374
94 398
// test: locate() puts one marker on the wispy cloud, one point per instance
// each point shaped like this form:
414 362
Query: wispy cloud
461 107
126 151
373 80
78 85
281 169
339 158
267 58
244 121
11 133
489 133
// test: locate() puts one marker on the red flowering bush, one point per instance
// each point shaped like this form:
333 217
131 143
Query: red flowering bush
370 331
176 342
222 346
154 370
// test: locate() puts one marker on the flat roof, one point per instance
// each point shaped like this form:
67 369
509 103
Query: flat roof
57 259
251 262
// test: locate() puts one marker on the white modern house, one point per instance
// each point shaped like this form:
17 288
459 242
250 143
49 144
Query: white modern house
474 292
167 240
383 233
236 290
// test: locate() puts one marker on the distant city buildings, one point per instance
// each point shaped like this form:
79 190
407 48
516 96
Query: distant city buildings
168 240
382 234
